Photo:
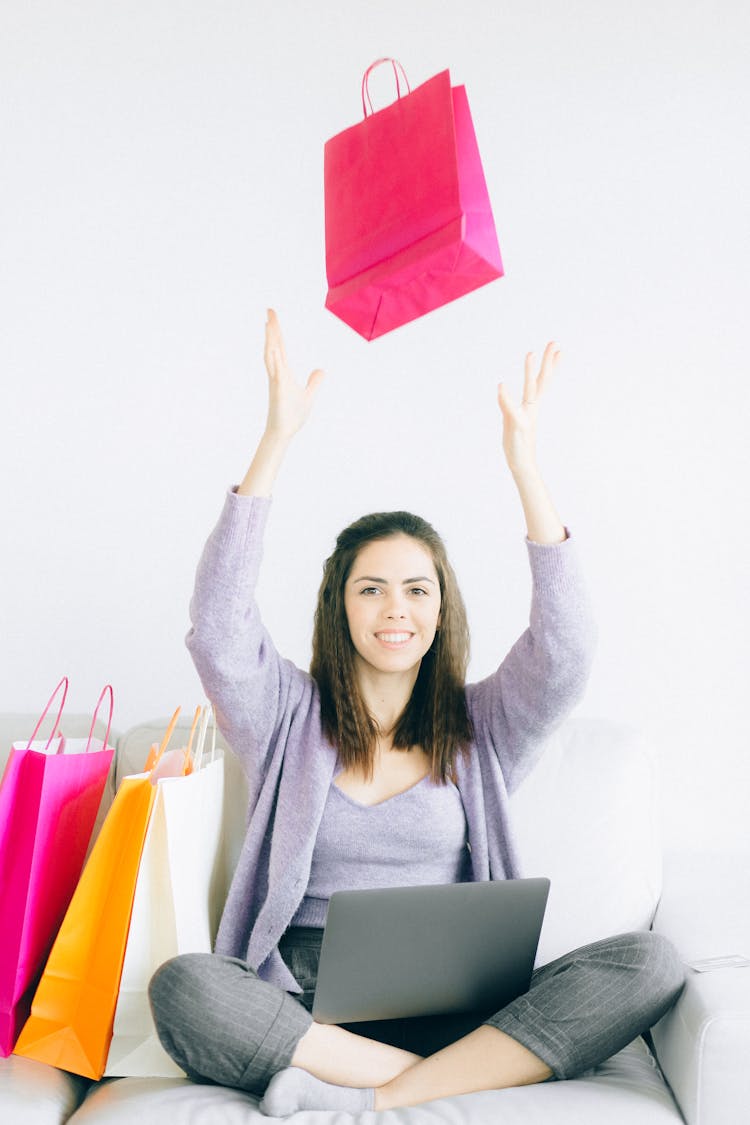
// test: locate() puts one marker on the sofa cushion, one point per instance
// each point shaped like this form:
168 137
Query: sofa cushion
627 1089
588 818
32 1093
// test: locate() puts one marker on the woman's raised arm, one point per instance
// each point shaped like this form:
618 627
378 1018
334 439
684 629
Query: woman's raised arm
253 689
519 445
289 404
545 673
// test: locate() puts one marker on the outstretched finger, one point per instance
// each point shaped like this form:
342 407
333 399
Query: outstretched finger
529 379
550 360
275 353
273 331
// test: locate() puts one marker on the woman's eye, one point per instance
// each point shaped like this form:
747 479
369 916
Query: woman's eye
370 590
419 590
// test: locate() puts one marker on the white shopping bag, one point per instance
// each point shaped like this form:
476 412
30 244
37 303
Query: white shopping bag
176 908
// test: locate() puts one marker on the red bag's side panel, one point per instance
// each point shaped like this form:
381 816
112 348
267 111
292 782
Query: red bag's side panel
475 201
22 786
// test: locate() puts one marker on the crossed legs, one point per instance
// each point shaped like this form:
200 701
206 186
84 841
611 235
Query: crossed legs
221 1023
485 1059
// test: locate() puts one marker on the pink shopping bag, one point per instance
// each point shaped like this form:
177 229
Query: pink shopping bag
49 797
409 225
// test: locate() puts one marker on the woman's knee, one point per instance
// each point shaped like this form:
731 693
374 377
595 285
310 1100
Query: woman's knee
665 964
186 989
657 962
218 1020
174 981
197 1001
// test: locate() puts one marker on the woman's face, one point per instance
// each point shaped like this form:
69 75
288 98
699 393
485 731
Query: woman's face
392 602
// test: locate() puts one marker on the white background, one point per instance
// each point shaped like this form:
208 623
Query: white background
161 184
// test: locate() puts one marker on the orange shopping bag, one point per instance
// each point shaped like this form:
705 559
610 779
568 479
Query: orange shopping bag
72 1013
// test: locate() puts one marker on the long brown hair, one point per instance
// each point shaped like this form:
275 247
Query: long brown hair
435 717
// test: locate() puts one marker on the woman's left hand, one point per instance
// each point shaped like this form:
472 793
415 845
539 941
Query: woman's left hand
519 420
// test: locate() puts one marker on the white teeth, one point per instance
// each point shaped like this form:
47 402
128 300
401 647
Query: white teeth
394 638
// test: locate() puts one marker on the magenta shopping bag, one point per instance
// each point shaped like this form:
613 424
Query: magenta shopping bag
408 220
49 798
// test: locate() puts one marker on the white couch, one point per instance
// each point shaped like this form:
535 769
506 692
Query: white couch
587 818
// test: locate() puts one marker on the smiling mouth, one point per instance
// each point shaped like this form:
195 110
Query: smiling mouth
394 640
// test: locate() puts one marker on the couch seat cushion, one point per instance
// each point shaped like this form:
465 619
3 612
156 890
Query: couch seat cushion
32 1093
626 1090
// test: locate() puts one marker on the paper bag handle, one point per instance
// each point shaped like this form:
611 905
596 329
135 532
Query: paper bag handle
166 738
63 684
366 82
107 689
207 714
188 760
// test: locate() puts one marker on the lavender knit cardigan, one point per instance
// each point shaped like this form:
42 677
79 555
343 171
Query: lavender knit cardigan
269 712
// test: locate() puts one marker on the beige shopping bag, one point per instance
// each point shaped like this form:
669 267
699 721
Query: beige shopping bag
177 904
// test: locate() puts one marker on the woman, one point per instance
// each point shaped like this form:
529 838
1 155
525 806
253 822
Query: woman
382 742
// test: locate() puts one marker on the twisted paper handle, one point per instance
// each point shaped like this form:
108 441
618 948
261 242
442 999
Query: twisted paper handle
107 688
366 81
63 684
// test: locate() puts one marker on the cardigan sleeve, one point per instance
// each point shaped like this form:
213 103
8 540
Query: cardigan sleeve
252 688
545 673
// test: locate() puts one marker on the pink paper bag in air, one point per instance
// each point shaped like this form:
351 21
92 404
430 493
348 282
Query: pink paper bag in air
408 220
49 799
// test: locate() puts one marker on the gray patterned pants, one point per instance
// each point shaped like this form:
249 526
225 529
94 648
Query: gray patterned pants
222 1024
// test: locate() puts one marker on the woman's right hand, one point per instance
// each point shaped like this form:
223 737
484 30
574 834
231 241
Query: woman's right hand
289 403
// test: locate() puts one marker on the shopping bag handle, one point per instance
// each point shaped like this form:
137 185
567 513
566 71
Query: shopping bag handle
188 760
107 689
63 684
167 735
207 714
366 82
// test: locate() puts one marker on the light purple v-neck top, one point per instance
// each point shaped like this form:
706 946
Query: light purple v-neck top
269 712
416 838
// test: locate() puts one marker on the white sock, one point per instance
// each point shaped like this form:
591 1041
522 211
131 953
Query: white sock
294 1089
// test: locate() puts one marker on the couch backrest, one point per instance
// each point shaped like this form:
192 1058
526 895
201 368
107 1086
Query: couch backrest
587 817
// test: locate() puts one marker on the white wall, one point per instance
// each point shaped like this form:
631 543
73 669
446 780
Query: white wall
162 183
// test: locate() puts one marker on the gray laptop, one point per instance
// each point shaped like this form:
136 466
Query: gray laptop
421 951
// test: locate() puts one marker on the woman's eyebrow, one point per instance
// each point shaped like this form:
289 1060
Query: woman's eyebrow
384 581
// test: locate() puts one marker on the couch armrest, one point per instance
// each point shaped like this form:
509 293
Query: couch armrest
703 1043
